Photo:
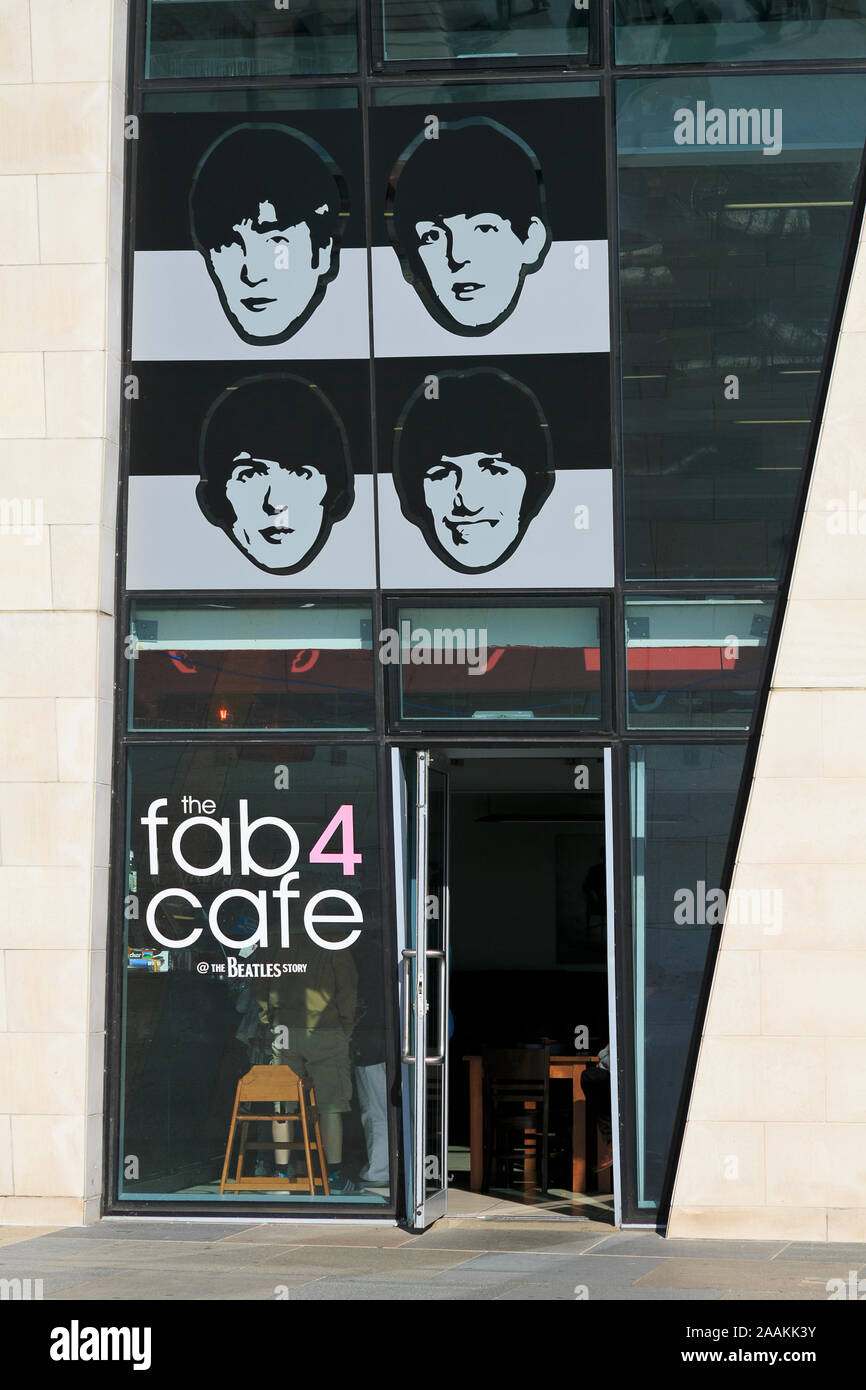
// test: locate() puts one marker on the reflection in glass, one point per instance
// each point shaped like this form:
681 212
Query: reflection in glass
252 938
682 802
250 38
498 663
219 667
729 266
694 665
736 31
253 99
479 92
421 30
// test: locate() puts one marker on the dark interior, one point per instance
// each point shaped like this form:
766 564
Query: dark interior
528 945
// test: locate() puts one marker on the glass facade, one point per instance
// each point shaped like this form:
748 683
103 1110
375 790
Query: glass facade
732 31
731 249
682 801
488 664
694 664
221 667
253 937
250 38
399 477
488 31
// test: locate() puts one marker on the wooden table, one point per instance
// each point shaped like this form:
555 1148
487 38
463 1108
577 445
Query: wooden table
561 1069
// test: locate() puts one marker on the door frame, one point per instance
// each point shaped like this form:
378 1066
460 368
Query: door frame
463 748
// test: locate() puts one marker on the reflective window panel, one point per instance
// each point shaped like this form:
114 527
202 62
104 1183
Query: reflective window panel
694 664
682 802
221 667
735 198
252 955
487 664
738 31
250 38
418 31
463 92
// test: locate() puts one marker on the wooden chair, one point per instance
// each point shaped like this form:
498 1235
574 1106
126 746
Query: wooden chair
517 1110
271 1085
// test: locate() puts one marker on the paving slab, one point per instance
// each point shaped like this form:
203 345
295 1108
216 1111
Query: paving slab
537 1293
348 1290
564 1275
13 1235
805 1294
389 1264
143 1228
816 1250
154 1254
344 1236
173 1286
500 1237
56 1283
781 1276
540 1263
643 1243
49 1252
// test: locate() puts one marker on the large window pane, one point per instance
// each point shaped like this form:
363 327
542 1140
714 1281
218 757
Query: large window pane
682 806
414 31
486 664
730 259
251 937
694 665
250 38
736 31
221 667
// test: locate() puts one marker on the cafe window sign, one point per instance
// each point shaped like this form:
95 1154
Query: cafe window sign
253 937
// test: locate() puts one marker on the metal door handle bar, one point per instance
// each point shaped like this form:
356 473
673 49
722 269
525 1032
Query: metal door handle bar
406 1054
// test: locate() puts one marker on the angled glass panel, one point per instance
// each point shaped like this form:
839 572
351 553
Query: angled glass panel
738 31
682 804
694 664
250 38
735 199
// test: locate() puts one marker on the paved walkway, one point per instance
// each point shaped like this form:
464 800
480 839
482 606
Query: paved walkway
494 1252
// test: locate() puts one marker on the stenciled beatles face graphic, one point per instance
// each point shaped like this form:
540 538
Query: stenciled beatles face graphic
474 502
473 466
265 208
275 471
277 509
468 222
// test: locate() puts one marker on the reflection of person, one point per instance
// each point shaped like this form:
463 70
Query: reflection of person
473 466
313 1014
368 1048
468 222
265 208
275 470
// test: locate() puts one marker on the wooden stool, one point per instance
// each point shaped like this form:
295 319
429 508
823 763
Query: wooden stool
272 1085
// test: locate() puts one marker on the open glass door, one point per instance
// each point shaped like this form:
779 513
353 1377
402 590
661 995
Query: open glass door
424 996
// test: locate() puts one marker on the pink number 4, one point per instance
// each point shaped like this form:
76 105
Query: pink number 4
343 820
